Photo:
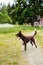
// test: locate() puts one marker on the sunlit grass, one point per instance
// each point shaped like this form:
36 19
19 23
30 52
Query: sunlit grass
17 28
39 38
10 50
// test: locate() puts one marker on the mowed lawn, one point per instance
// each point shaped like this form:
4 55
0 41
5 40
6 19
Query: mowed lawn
11 46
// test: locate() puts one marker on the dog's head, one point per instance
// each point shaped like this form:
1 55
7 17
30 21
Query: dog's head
18 34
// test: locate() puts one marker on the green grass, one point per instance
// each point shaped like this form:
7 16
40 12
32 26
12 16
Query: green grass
17 28
10 46
10 50
39 38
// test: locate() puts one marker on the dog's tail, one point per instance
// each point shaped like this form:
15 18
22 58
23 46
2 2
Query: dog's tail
35 33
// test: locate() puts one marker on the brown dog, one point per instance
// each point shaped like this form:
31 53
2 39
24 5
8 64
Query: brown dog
27 39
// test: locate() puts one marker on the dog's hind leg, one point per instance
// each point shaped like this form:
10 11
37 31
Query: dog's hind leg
31 43
34 43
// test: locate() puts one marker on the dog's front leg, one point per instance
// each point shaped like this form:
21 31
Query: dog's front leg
23 43
25 47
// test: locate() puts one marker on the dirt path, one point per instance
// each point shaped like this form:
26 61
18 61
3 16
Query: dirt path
33 55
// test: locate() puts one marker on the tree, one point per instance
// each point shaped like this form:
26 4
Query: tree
4 18
34 9
4 10
22 10
9 9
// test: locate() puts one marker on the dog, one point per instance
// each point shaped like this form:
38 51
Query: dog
27 39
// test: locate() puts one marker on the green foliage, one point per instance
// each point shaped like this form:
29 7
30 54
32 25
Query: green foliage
4 18
22 9
8 8
3 10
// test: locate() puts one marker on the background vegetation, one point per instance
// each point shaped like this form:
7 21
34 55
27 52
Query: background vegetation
23 11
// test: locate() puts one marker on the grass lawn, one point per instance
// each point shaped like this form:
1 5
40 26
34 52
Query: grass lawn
39 38
10 46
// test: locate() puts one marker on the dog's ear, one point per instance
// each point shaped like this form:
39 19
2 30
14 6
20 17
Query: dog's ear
35 31
20 31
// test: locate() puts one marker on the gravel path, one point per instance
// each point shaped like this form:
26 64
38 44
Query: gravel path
6 25
33 55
